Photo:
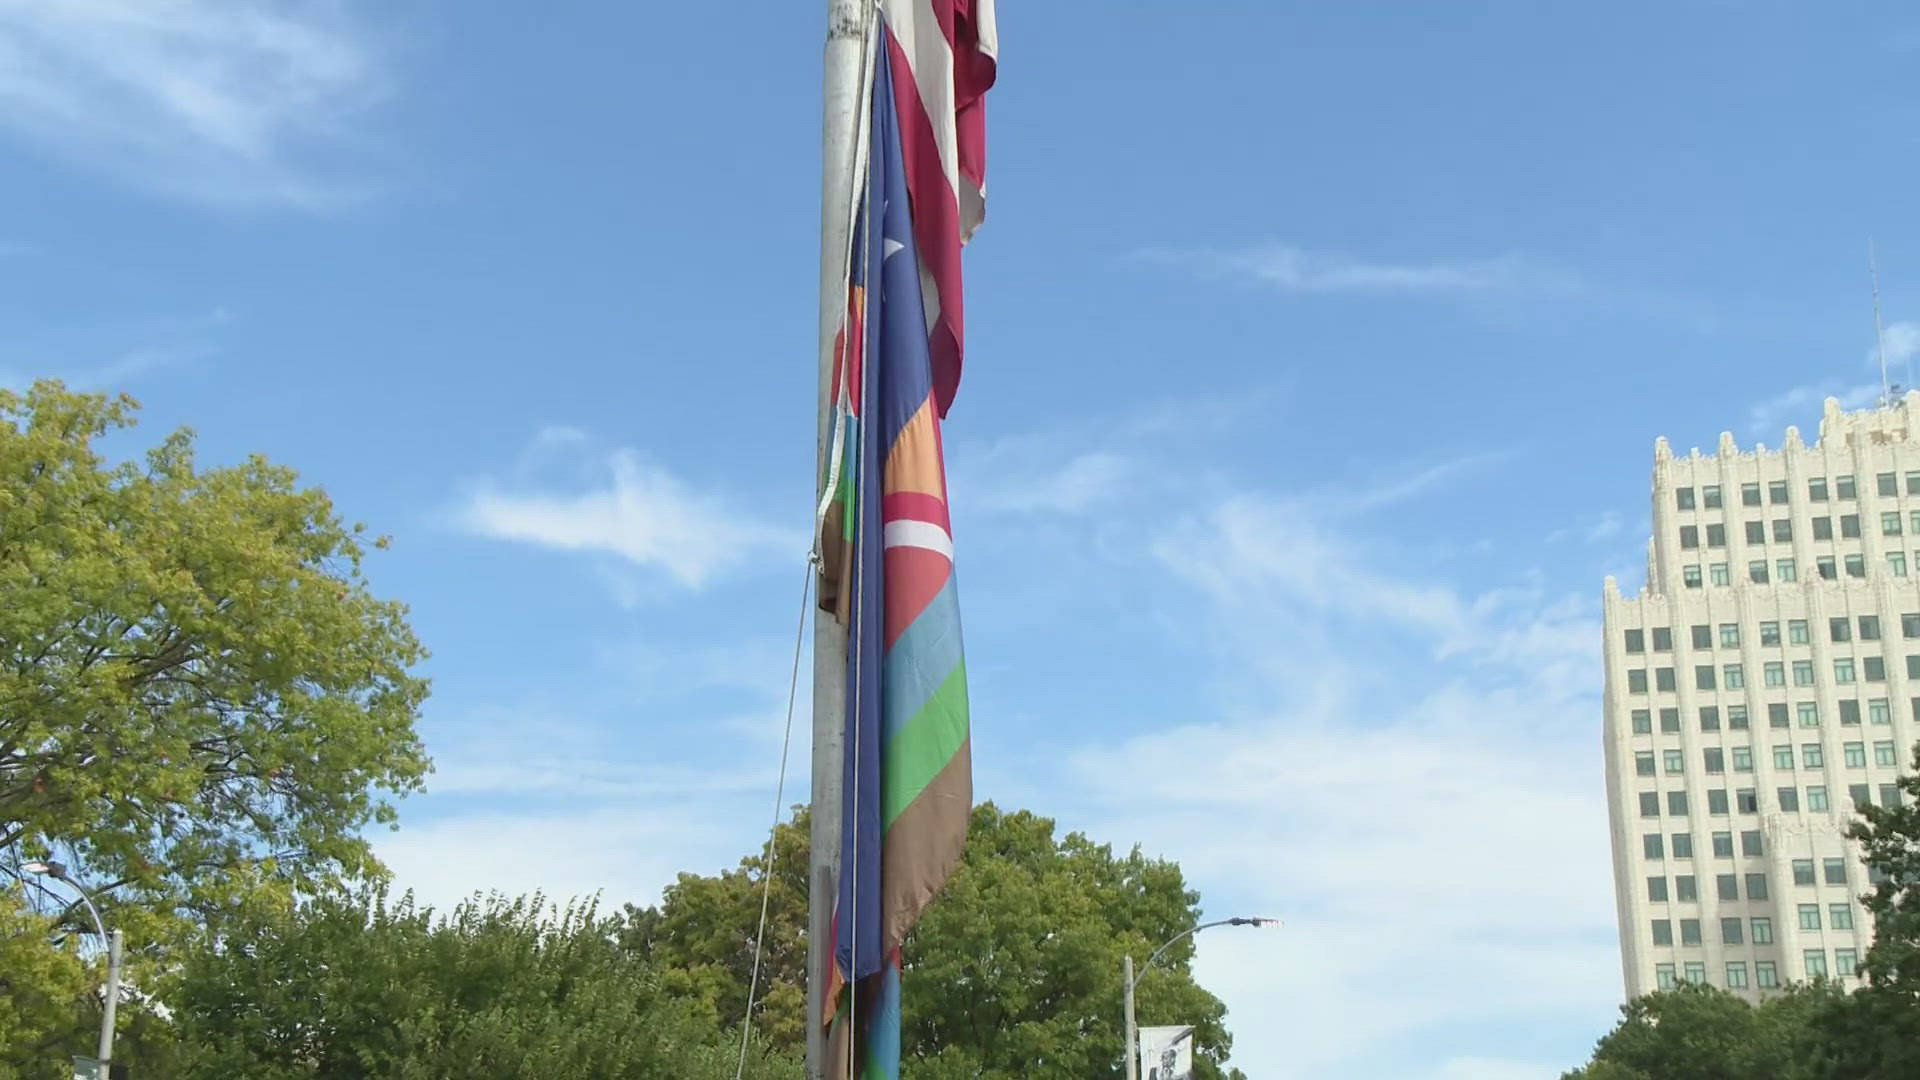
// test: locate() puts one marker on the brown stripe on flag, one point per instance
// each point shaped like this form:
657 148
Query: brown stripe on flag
924 845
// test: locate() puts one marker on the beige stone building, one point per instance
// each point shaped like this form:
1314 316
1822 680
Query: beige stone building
1764 681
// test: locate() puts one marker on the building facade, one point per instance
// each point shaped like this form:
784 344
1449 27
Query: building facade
1764 682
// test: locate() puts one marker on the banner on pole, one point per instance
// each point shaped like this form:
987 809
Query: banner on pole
1166 1053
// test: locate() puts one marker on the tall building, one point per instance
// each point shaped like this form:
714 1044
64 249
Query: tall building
1763 683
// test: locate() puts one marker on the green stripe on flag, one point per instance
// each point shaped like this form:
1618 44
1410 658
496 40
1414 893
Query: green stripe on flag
924 745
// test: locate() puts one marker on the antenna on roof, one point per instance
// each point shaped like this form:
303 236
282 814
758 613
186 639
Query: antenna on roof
1879 334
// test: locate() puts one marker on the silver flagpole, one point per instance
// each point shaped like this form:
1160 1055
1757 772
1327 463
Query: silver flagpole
840 121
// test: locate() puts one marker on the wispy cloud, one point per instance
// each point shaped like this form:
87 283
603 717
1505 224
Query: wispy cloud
1769 419
1901 341
618 503
1291 268
222 101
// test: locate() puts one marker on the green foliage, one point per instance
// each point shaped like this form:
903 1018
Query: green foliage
1889 836
42 984
1013 972
1706 1033
357 986
200 701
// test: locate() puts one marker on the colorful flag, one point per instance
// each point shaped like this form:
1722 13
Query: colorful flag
907 780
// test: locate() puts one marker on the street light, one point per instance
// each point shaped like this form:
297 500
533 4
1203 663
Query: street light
1132 980
58 872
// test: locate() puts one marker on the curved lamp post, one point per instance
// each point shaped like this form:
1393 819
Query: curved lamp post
58 872
1132 980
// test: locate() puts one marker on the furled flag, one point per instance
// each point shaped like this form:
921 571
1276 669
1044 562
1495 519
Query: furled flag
907 781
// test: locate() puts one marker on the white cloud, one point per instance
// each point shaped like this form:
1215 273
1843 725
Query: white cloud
631 509
1072 486
1291 268
224 101
1901 341
1768 420
1420 797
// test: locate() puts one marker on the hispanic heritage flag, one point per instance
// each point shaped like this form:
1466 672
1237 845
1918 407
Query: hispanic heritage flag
907 774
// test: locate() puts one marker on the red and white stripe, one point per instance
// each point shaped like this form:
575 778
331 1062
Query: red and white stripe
944 54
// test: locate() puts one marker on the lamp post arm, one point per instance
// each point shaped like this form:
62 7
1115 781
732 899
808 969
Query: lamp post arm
1176 938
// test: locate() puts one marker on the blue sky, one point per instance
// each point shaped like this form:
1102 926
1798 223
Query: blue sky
1316 355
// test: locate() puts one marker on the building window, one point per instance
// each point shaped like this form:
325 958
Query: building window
1762 927
1734 677
1747 801
1716 536
1636 640
1676 761
1886 483
1729 635
1816 490
1840 629
1797 632
1756 532
1861 794
1809 713
1642 722
1815 961
1803 673
1777 714
1723 841
1883 753
1855 754
1653 846
1727 887
1889 798
1710 496
1702 635
1663 639
1843 670
1663 679
1737 717
1709 718
1840 916
1689 931
1763 975
1825 565
1757 571
1750 842
1817 797
1869 628
1890 523
1785 571
1873 668
1717 573
1682 845
1736 973
1643 763
1877 710
1823 528
1850 526
1910 625
1783 757
1809 916
1913 483
1677 803
1716 760
1773 673
1849 712
1812 756
1685 890
1663 976
1690 576
1742 759
1802 870
1663 931
1834 870
1649 804
1670 721
1770 633
1846 963
1843 487
1856 566
1913 666
1749 494
1789 799
1683 498
1897 563
1776 491
1657 890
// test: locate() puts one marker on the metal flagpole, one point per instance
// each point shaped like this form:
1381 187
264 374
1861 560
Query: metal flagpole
839 119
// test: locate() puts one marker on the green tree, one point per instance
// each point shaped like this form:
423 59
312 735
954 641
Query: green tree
200 699
350 986
1013 972
1697 1032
